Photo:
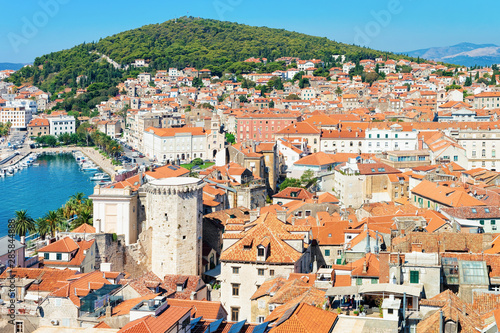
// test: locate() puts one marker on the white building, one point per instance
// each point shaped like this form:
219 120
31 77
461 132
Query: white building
18 116
61 124
480 146
395 138
185 143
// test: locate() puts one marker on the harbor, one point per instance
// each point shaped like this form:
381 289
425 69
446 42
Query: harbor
18 160
43 188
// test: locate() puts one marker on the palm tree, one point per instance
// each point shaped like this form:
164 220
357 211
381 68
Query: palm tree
83 217
54 222
23 223
42 227
78 197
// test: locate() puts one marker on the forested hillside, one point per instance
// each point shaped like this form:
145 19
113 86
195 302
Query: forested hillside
200 43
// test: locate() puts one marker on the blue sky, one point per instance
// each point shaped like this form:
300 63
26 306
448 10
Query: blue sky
42 26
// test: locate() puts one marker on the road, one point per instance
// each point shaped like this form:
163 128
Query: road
139 161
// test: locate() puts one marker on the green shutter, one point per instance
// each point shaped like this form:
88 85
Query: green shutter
359 281
327 253
492 222
414 276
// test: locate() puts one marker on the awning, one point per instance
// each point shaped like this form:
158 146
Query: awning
214 272
342 291
382 288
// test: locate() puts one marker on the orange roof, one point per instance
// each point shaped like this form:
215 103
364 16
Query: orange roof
319 158
269 227
164 132
294 193
300 128
162 323
448 196
64 245
39 122
205 309
306 318
85 228
50 278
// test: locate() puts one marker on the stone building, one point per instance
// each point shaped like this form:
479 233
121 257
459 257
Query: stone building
174 217
263 249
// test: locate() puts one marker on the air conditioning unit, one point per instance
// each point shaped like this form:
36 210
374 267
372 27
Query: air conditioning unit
54 322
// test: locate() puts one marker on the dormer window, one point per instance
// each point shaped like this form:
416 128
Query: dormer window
260 251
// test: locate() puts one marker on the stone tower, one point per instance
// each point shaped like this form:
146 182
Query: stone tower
174 215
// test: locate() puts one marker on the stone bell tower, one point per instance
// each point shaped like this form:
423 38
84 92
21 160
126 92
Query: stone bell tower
174 213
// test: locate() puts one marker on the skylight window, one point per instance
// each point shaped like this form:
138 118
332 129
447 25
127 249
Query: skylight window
474 210
381 169
486 210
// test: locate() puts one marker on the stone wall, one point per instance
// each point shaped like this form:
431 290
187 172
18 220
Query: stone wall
110 251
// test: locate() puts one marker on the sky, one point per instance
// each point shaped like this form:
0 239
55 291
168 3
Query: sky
43 26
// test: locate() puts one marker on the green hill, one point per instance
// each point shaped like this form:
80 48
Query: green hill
200 43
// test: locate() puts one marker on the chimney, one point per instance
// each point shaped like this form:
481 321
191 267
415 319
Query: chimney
140 178
376 242
108 311
75 292
384 267
364 266
192 296
254 214
293 220
367 248
281 214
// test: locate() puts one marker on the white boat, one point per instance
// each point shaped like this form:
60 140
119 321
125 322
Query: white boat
35 164
89 166
100 177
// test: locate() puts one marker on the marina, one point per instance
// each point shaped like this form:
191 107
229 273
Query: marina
46 187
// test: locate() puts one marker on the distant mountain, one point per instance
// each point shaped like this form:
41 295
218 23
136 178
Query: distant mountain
9 65
465 54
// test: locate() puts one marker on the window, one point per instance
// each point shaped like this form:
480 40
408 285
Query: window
235 312
492 222
455 158
308 213
374 281
57 302
46 256
236 270
59 256
414 275
481 222
19 327
327 253
260 319
359 281
390 311
260 272
260 251
236 289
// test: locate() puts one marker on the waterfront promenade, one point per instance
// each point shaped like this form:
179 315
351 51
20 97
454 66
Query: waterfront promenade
103 162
